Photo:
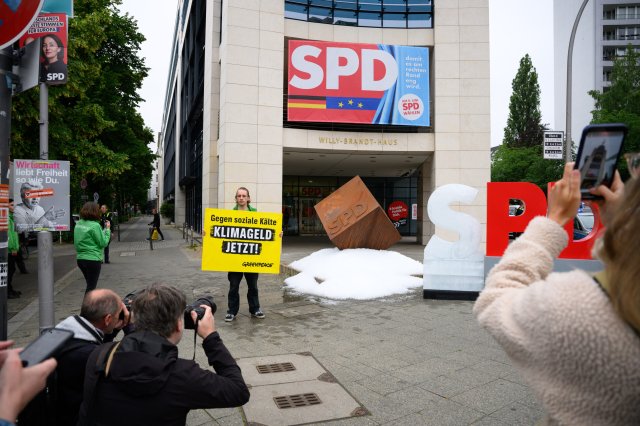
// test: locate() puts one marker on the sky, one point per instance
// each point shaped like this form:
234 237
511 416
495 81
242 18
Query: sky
516 27
156 19
360 274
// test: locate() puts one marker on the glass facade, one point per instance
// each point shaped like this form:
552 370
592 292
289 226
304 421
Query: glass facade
301 193
363 13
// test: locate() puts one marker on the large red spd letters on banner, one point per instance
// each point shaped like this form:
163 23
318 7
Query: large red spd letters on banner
500 224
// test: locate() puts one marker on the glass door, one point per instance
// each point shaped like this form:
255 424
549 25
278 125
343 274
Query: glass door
309 221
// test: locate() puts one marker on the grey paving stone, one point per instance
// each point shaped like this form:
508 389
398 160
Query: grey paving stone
518 414
491 396
457 382
393 355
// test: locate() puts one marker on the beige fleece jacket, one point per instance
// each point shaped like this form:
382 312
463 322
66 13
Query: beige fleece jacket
560 330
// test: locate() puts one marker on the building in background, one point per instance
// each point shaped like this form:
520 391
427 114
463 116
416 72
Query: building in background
605 30
230 119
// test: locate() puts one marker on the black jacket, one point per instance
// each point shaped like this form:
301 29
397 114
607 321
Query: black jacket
148 384
156 220
61 404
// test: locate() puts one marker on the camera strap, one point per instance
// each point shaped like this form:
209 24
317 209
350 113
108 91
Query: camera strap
195 332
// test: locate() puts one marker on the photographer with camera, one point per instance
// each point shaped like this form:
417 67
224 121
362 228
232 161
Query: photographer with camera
142 375
102 315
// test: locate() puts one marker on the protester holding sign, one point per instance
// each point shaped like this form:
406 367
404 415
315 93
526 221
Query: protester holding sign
243 201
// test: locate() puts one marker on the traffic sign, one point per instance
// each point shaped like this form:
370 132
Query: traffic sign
17 17
553 143
83 183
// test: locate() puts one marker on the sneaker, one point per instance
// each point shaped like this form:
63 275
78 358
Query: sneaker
229 317
258 314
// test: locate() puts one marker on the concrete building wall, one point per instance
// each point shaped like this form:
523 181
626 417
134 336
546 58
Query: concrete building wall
244 138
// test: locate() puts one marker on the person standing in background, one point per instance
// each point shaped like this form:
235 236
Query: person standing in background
13 249
155 223
104 218
90 240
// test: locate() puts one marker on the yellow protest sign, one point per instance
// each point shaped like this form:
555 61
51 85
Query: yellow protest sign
241 241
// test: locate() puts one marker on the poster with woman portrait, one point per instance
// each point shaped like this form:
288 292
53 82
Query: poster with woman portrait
50 30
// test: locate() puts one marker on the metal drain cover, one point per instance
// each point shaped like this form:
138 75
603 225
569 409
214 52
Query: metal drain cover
299 400
275 368
128 253
300 389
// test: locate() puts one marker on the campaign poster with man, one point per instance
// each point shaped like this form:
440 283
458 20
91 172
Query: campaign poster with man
241 241
50 30
358 83
41 195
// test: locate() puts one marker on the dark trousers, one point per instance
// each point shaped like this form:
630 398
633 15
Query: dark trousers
106 253
11 270
20 262
91 271
252 293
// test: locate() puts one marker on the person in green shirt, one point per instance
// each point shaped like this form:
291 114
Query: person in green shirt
13 247
90 240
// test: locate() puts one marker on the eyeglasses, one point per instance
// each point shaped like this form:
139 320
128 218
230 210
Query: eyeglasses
633 163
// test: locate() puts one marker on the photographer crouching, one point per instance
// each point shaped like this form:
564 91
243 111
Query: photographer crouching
141 380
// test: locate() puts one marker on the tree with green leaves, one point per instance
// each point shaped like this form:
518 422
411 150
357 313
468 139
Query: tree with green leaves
524 127
520 157
620 103
93 121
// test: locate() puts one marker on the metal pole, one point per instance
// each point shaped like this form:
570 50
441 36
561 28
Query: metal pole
6 64
569 144
45 244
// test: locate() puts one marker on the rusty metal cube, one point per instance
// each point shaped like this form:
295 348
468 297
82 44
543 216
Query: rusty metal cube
352 218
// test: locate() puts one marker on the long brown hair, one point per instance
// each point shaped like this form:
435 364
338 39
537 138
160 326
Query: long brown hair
90 211
620 253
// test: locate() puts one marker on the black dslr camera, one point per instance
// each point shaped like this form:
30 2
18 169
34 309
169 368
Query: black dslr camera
128 300
195 306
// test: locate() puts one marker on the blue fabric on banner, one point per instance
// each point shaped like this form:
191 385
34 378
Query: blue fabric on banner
362 104
388 112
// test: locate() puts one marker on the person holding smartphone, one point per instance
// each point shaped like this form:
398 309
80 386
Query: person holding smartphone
574 336
18 385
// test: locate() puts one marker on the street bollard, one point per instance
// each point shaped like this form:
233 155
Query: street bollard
151 238
184 230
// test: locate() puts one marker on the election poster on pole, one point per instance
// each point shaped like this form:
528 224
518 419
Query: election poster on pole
241 241
41 195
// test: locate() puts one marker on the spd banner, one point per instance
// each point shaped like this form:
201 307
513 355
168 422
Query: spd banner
241 241
358 83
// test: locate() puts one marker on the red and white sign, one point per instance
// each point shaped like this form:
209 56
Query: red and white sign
397 210
17 17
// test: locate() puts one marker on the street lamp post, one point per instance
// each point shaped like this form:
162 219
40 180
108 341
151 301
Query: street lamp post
568 145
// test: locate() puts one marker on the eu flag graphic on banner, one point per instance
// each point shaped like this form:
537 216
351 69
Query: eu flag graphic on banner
358 83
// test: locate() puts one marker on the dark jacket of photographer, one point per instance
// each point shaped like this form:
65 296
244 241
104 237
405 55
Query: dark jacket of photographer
147 381
66 385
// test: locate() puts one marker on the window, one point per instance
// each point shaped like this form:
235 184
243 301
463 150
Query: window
364 13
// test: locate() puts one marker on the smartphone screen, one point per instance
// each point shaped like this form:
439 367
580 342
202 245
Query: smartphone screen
598 155
45 346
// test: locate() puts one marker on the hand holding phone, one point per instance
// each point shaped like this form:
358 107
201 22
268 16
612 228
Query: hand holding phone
45 346
598 155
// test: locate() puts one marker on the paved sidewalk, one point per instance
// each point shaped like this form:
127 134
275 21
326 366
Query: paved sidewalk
407 360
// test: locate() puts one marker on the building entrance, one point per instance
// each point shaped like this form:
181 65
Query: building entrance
309 221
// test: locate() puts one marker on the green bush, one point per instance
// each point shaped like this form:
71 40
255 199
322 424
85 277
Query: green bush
167 210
